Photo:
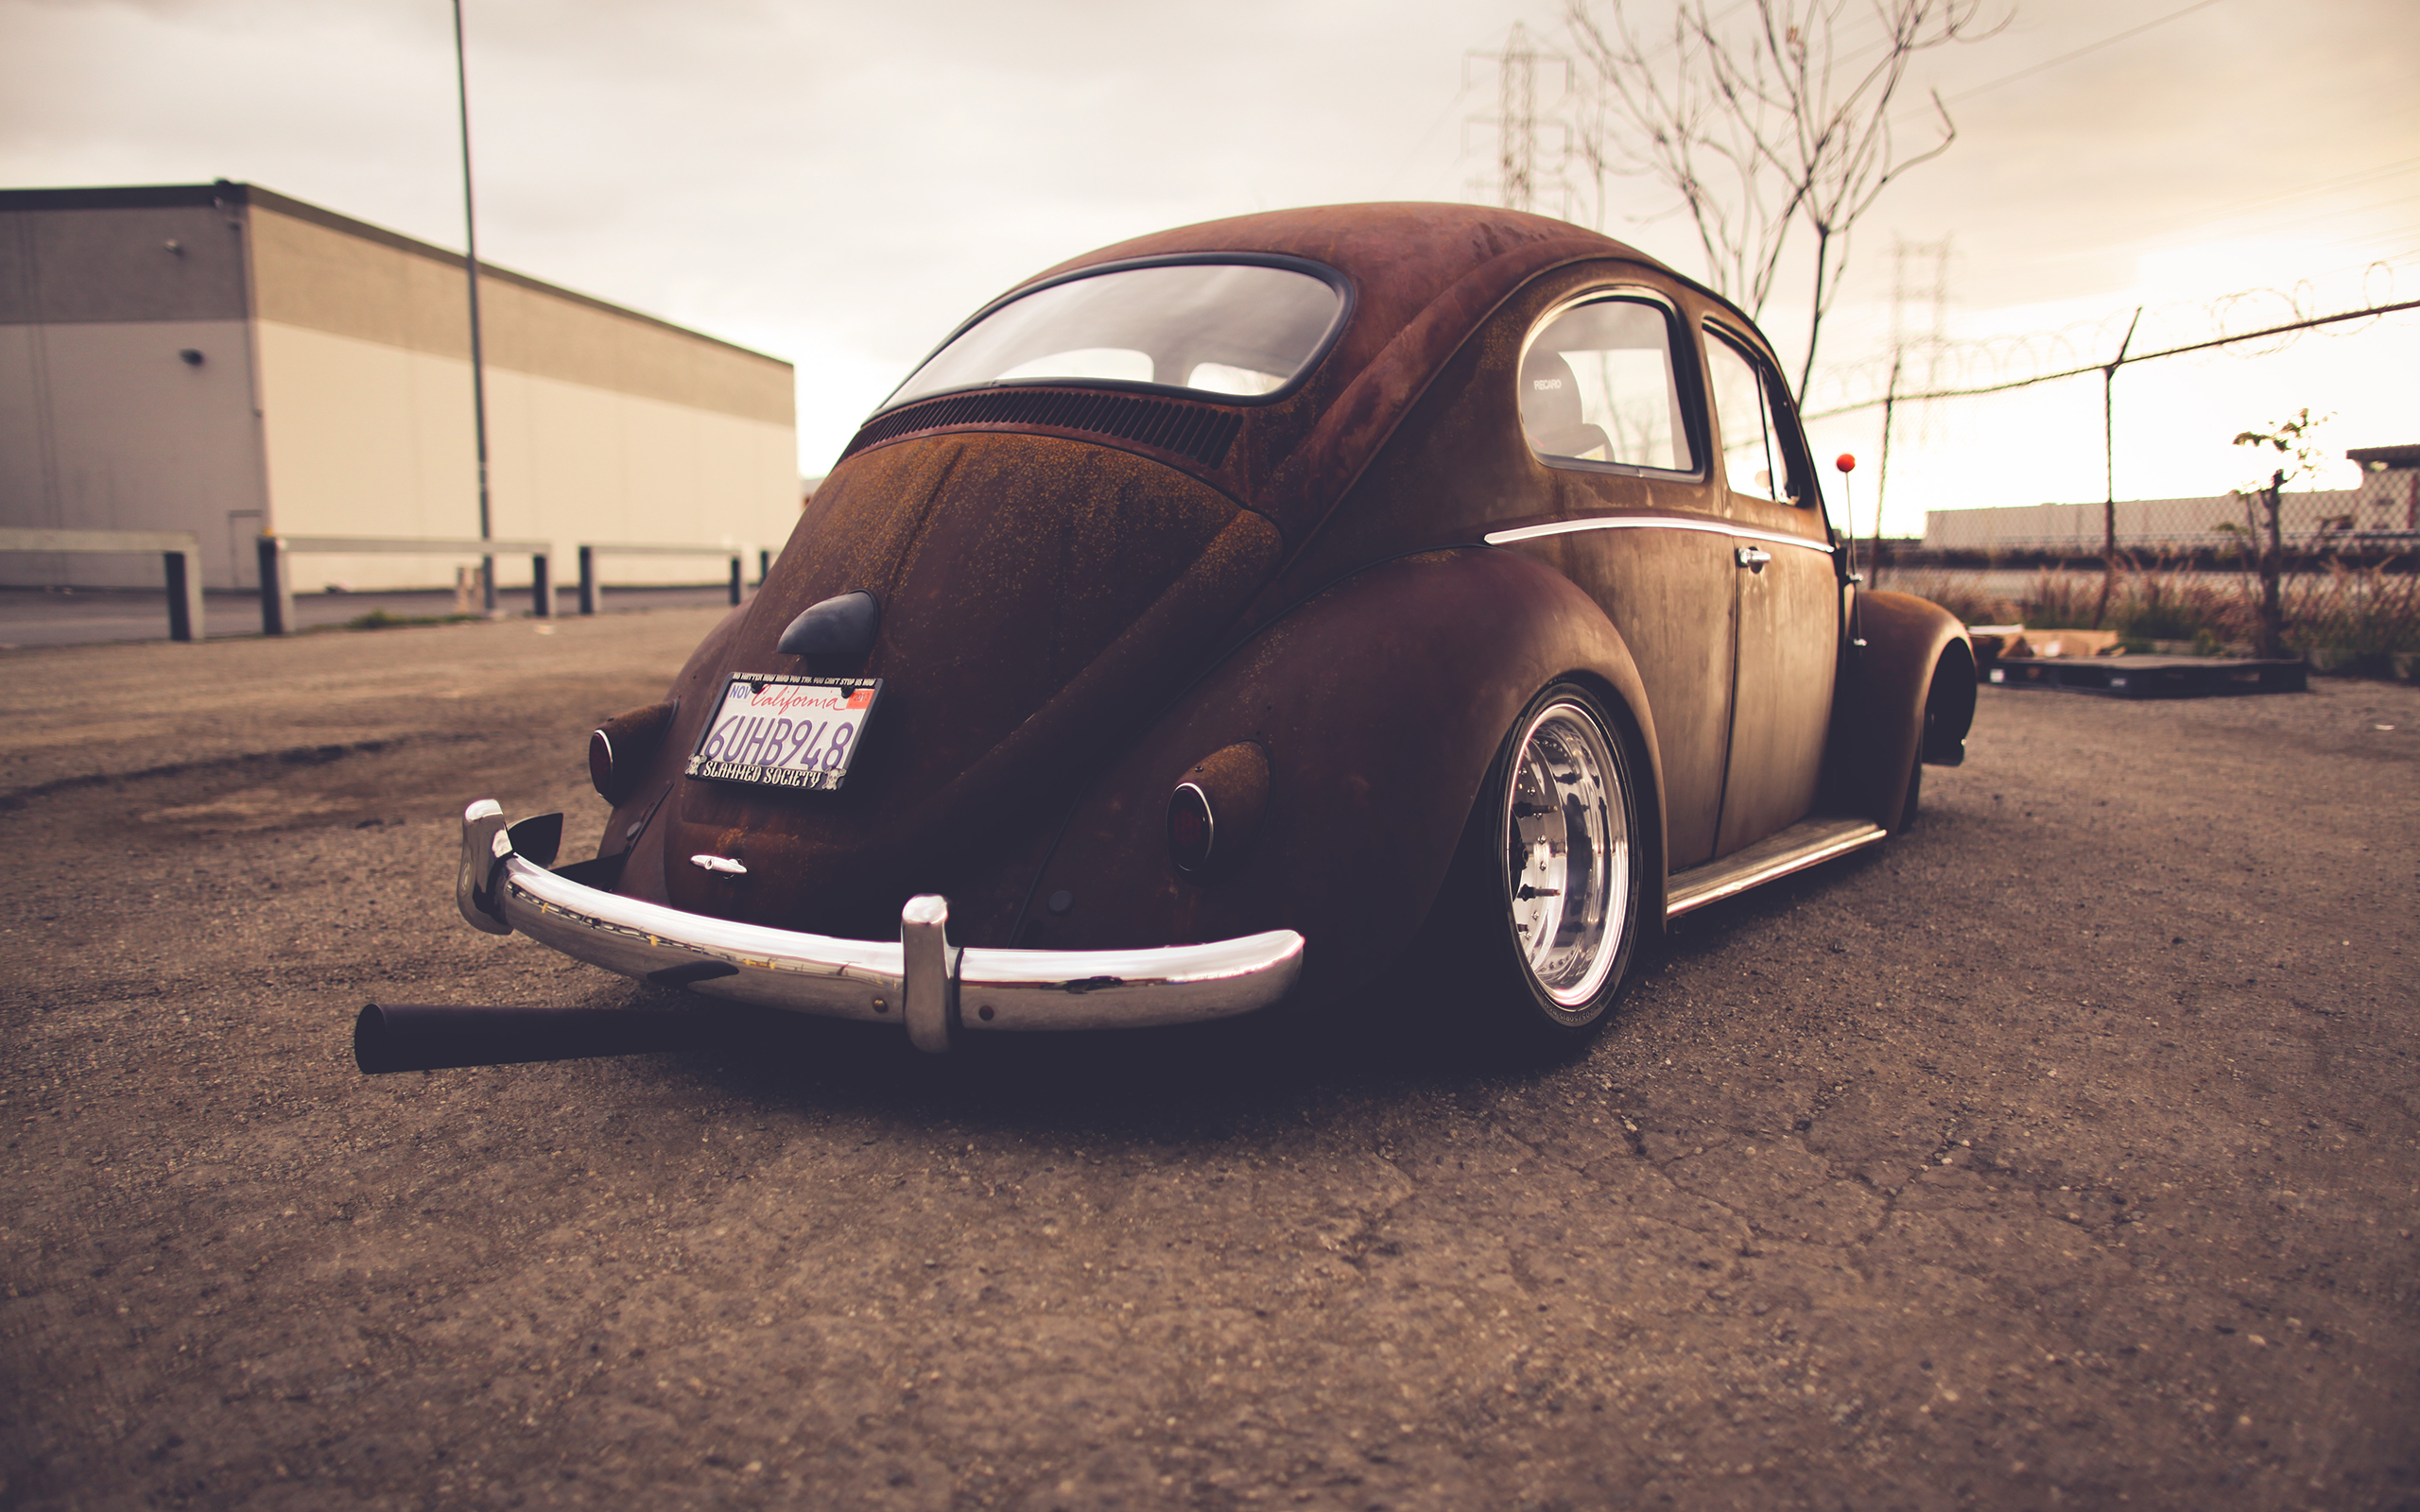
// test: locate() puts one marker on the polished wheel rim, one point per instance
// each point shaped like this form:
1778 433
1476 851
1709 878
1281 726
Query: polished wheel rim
1566 841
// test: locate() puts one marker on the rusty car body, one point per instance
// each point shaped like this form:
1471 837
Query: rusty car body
1230 601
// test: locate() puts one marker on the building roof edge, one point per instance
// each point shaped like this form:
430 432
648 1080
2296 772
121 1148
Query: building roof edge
158 197
2393 457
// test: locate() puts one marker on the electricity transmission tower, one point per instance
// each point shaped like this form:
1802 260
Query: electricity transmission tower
1927 348
1517 123
1905 292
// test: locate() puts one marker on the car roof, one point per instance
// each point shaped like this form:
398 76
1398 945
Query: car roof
1412 251
1425 277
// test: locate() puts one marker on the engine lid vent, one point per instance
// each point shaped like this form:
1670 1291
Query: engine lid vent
1195 432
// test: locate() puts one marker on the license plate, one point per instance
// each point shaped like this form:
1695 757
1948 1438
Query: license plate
777 729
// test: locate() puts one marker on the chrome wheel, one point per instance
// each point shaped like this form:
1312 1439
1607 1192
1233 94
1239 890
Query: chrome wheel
1567 864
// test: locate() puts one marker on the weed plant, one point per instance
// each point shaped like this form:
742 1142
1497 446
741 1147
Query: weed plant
2361 616
1961 593
2064 601
378 619
2366 616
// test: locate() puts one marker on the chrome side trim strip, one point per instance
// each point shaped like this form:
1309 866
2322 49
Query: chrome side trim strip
907 981
1805 844
1650 521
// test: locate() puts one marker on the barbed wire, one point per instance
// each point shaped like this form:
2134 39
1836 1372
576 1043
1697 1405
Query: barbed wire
2274 317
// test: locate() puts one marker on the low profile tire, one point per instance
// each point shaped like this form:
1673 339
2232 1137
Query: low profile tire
1549 885
1909 810
1949 703
1911 807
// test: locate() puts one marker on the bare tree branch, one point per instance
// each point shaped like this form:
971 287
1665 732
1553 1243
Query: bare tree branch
1780 122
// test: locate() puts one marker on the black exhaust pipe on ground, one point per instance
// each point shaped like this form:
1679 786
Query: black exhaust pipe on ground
391 1037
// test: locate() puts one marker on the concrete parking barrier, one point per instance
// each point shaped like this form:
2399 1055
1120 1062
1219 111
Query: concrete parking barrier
180 550
591 588
277 587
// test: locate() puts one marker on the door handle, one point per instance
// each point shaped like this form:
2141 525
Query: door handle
1753 559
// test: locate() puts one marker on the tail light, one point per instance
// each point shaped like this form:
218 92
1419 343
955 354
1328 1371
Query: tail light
620 750
1193 830
1215 811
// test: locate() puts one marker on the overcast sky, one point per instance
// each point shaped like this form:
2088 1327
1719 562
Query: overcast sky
838 184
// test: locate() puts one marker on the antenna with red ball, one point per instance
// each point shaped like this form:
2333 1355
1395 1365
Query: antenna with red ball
1846 462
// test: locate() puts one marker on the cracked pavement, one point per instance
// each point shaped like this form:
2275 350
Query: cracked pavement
2061 1153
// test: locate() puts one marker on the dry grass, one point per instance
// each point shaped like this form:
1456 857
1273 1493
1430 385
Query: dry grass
2366 615
1961 593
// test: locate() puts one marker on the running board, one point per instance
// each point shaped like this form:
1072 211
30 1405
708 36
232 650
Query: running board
1802 845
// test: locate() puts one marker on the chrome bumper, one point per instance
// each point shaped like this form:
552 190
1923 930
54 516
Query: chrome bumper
923 980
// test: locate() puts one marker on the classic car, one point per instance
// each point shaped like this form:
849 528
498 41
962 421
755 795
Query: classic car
1210 615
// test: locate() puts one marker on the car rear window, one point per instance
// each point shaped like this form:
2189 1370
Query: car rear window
1230 329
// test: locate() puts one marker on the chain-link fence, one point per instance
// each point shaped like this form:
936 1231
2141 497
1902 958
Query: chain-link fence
1948 442
2363 620
2339 587
2382 515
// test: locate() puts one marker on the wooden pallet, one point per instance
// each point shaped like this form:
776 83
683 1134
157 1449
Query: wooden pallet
2154 676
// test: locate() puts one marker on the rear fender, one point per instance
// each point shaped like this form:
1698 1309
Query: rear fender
1380 705
627 829
1915 654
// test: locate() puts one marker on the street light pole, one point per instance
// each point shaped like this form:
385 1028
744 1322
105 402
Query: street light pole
470 264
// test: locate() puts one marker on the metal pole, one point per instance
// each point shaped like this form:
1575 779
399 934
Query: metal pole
2109 470
471 266
184 595
1882 473
277 593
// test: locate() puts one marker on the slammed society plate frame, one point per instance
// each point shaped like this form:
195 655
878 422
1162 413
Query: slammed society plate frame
784 730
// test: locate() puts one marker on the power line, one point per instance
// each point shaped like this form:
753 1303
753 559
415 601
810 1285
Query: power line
2068 58
2200 225
2127 361
1421 143
2357 175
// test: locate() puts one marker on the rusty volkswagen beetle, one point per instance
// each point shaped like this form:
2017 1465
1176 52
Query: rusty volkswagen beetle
1210 611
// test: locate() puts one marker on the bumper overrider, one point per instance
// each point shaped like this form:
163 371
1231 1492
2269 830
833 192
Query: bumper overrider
934 987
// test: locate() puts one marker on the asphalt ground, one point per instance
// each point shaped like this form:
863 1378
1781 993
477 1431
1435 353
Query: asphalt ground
2062 1153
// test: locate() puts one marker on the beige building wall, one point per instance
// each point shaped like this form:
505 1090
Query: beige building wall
104 426
2177 523
604 425
103 423
2389 499
566 462
571 463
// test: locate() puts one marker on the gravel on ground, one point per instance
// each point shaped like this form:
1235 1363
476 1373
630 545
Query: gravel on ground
2060 1153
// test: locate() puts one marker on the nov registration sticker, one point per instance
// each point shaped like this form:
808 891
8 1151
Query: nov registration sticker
777 729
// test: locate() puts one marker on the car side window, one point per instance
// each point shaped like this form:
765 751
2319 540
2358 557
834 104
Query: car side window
1752 446
1598 385
1758 443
